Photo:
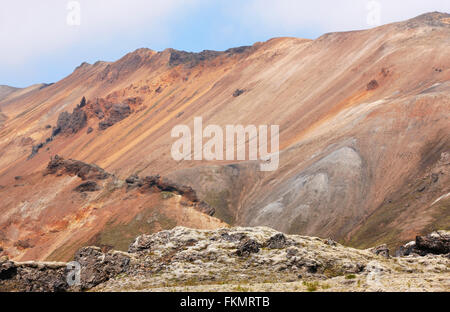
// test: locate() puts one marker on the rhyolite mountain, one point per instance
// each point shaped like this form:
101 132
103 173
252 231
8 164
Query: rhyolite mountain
364 143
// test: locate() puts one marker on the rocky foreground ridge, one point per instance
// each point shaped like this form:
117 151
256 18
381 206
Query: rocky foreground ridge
240 259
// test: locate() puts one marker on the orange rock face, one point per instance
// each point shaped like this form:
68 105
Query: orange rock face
364 140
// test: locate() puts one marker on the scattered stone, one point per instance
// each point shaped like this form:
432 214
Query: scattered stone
381 250
89 130
309 265
235 237
421 189
238 92
372 85
133 181
291 252
406 249
89 186
248 247
142 242
277 241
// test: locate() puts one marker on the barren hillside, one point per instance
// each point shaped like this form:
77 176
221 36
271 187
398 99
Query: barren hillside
364 140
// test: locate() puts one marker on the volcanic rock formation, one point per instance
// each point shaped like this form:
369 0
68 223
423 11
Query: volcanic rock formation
231 259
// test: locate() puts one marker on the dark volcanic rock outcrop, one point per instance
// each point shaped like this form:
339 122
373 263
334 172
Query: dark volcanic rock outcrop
75 167
117 113
68 123
98 267
167 185
163 184
190 59
372 85
111 110
277 241
32 276
238 92
72 123
182 257
89 186
437 243
91 267
248 247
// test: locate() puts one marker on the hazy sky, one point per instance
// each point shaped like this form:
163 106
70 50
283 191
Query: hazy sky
41 41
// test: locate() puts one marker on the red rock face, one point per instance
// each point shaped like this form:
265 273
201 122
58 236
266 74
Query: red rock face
364 134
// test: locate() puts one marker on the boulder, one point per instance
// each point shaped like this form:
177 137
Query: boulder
248 247
98 267
238 92
381 250
406 249
142 242
277 241
134 181
437 243
372 85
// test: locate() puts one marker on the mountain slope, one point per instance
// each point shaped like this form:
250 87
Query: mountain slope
364 126
6 90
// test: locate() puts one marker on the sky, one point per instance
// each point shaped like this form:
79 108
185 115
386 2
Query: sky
43 41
